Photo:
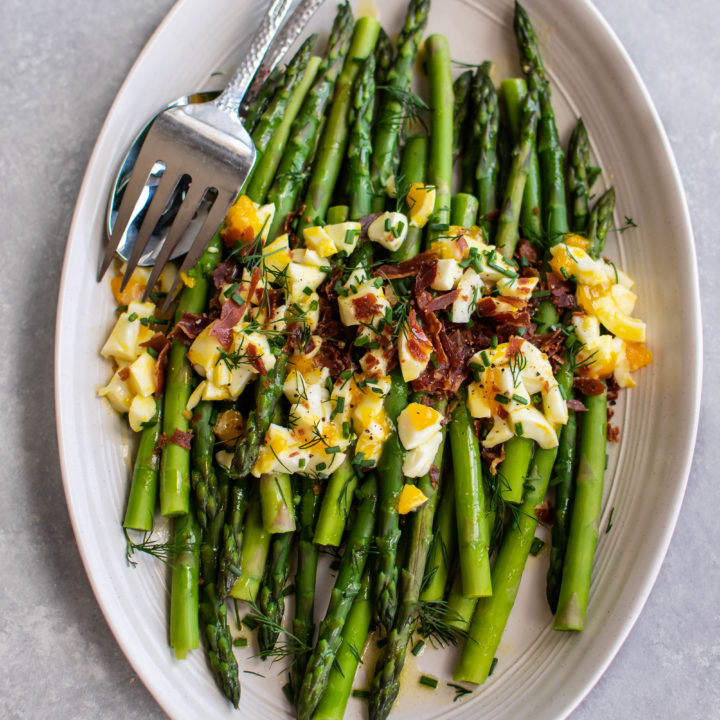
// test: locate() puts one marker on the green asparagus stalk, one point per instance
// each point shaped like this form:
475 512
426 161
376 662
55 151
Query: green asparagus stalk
346 589
254 552
462 143
268 162
441 131
388 526
267 90
575 588
386 680
305 576
360 141
549 149
336 505
184 630
211 493
337 214
271 597
485 125
333 141
564 471
513 469
460 608
386 136
491 613
306 126
464 209
513 91
276 501
140 509
508 230
601 220
472 525
444 544
578 160
202 476
229 557
354 635
413 168
384 53
175 461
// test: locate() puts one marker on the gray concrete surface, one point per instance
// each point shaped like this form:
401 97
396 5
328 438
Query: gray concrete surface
57 656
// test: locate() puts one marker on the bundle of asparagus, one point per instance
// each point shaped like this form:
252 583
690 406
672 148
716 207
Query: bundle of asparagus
329 382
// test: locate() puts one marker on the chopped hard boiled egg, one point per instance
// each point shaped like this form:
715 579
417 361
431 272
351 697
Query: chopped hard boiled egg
421 202
419 460
389 230
410 498
417 423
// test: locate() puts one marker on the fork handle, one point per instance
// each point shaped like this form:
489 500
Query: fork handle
231 97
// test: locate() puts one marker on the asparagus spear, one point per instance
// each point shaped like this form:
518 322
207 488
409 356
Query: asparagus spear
175 461
229 555
211 495
386 680
307 560
441 132
354 634
276 110
386 136
462 144
513 91
578 160
267 164
384 52
413 168
271 597
601 220
347 586
360 141
140 509
388 525
331 150
336 505
549 149
575 588
460 608
564 471
263 99
485 124
184 632
253 556
472 525
276 501
513 469
306 126
443 547
464 209
507 230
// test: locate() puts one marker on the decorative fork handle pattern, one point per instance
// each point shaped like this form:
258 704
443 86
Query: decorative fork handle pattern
232 95
278 47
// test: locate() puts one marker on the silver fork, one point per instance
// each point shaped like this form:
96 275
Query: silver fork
204 143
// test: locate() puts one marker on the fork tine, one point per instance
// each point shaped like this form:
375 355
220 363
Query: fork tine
168 183
177 230
138 178
212 222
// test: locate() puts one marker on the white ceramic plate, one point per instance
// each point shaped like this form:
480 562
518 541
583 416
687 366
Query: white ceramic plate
540 672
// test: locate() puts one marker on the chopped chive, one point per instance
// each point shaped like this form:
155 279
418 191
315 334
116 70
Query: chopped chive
152 352
564 273
231 290
494 342
519 431
334 450
346 429
418 648
503 271
502 399
520 399
121 308
307 290
460 691
428 681
240 642
536 546
610 519
237 299
320 466
485 358
301 463
492 666
250 623
132 317
361 694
